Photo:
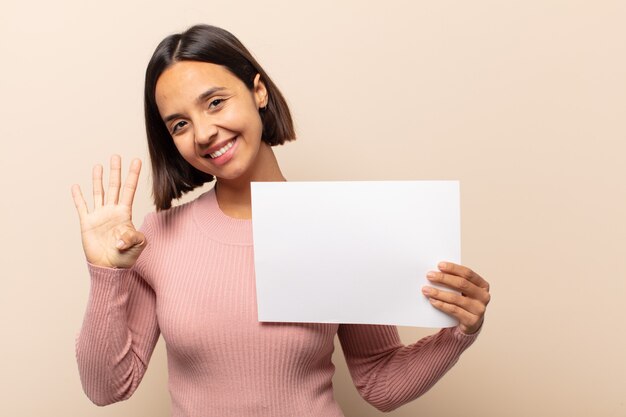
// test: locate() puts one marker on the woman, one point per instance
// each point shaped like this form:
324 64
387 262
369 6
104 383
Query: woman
212 112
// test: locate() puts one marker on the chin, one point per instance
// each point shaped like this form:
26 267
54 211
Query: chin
231 175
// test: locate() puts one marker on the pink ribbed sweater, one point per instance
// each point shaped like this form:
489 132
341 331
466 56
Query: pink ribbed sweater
194 284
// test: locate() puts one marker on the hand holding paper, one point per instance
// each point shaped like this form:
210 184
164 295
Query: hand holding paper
469 304
354 252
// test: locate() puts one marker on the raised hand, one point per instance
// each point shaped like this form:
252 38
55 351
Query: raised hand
469 306
108 234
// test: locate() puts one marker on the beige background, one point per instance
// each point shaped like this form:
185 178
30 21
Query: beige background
522 101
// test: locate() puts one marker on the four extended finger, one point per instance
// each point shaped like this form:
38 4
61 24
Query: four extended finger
115 181
97 187
130 186
79 201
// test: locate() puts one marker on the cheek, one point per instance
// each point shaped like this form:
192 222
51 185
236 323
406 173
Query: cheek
185 147
248 121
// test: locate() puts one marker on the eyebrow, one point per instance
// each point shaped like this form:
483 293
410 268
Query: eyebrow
202 97
208 93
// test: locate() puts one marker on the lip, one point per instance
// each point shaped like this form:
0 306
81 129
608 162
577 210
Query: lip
217 147
222 159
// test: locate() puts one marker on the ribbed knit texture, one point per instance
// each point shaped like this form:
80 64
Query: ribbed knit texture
194 284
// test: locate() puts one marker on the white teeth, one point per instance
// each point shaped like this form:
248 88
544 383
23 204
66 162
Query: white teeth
223 150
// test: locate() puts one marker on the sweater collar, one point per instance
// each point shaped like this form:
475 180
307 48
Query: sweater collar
219 226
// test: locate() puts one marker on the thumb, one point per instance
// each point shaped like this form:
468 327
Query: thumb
129 239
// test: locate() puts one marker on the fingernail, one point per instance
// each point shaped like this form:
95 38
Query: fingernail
427 290
431 274
443 265
119 244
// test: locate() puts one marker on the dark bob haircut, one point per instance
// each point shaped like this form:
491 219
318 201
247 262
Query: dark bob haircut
172 176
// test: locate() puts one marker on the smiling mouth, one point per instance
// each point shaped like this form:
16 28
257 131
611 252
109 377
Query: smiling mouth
222 150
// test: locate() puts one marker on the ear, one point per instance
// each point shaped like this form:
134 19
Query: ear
260 92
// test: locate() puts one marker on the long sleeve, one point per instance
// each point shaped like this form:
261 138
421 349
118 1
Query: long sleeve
197 273
388 374
118 334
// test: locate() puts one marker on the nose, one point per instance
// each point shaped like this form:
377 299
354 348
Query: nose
205 131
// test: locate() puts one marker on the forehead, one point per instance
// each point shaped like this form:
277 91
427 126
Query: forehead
186 80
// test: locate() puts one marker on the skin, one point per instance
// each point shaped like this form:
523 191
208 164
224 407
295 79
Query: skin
469 305
198 122
233 111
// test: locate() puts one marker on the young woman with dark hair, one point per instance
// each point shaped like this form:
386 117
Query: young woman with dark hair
173 176
212 113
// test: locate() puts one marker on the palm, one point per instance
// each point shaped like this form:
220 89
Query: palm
111 222
100 232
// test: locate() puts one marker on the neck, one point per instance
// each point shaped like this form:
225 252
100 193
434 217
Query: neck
234 196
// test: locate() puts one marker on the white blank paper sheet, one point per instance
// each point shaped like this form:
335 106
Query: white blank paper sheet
352 252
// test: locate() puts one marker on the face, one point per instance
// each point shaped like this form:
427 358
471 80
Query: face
212 116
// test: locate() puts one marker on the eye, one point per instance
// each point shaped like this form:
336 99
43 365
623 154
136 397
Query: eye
215 103
178 126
